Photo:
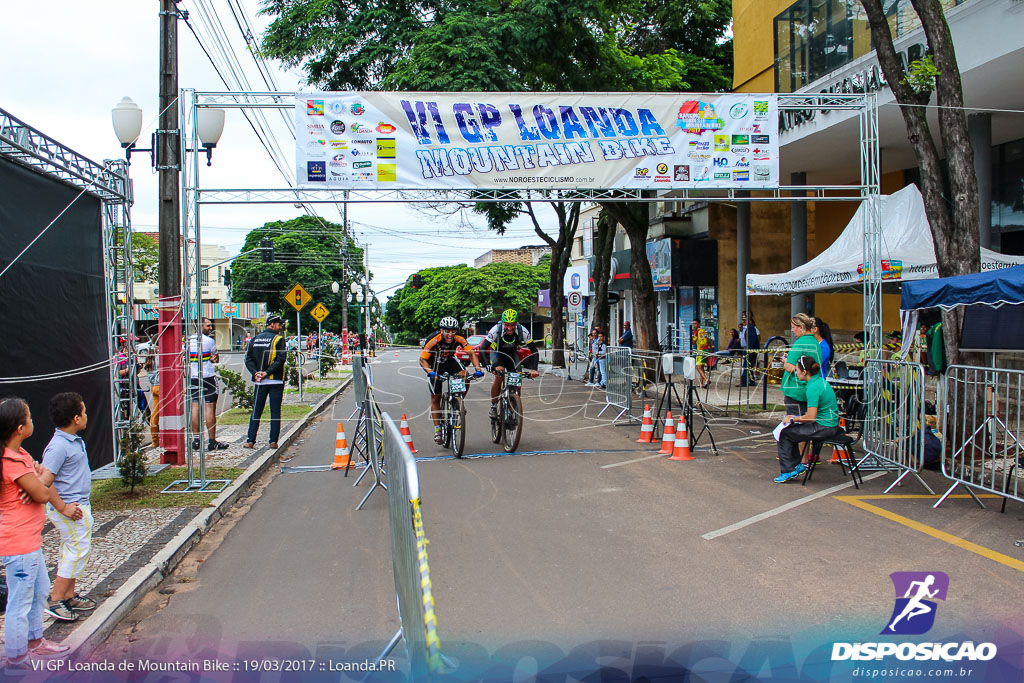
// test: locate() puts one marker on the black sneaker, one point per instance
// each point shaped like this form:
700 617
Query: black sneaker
61 611
195 444
493 412
80 603
217 446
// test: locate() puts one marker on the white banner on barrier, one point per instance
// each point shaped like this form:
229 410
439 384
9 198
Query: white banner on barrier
477 140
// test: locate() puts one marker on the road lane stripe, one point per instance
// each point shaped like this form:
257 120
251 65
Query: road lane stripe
858 501
651 457
782 508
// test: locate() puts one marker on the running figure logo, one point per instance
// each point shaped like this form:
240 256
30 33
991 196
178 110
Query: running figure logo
916 592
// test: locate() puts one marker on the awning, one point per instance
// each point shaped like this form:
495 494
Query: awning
1005 286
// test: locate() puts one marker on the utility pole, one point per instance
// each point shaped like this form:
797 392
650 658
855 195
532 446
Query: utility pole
168 146
344 285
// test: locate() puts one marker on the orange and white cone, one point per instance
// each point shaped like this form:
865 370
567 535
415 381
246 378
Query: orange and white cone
342 457
647 428
396 353
835 451
406 434
681 449
668 439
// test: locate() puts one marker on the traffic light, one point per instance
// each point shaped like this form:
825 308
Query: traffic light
416 282
267 253
227 277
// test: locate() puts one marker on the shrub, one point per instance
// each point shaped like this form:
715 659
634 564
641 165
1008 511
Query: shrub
242 395
132 466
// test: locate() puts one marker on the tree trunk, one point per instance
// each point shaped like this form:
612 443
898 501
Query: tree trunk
952 210
561 251
603 243
633 217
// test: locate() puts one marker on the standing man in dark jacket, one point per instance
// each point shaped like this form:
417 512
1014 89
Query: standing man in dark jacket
265 360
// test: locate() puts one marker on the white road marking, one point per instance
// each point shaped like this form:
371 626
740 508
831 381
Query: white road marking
651 457
782 508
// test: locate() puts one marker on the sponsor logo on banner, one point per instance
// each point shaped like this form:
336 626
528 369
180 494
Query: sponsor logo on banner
337 107
699 145
741 139
385 128
337 174
337 127
762 173
362 177
721 162
703 174
662 169
760 109
362 164
723 176
699 157
358 153
361 142
696 117
316 171
360 129
721 143
740 110
318 144
741 175
761 154
681 173
339 144
742 162
739 150
385 148
314 107
641 174
357 109
760 139
316 127
387 173
756 128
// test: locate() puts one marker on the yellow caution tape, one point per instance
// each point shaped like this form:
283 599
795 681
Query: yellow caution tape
429 618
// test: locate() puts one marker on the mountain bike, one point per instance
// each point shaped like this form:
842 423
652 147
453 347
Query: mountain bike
453 412
507 425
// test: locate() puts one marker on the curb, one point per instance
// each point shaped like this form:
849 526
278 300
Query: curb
84 640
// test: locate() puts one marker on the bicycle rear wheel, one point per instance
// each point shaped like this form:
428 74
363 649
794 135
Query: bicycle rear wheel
512 419
457 425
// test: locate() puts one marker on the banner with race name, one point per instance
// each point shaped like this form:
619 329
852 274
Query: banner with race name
479 140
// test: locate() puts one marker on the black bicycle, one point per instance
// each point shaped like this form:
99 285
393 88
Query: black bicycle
453 412
507 424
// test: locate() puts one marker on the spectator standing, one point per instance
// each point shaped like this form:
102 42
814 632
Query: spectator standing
794 390
602 359
750 339
823 335
734 348
702 343
265 360
21 539
627 335
595 361
67 470
202 354
152 368
819 421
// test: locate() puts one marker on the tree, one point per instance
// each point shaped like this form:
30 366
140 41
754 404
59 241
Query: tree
950 192
604 239
632 216
309 251
145 257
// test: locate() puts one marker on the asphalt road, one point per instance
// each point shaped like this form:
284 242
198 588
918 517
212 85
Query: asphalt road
588 548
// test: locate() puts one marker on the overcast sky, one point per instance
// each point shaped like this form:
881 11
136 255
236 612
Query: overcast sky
68 62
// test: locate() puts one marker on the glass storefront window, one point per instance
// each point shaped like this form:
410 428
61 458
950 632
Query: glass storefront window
1008 196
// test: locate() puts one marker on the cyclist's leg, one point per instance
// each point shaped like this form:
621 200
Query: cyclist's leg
435 405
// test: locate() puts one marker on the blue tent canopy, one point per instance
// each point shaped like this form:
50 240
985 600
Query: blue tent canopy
994 288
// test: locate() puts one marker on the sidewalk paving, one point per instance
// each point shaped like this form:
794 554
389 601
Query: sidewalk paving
125 541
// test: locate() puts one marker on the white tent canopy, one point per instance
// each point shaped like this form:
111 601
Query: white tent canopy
907 252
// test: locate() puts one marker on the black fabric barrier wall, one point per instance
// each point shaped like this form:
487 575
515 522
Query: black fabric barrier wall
52 303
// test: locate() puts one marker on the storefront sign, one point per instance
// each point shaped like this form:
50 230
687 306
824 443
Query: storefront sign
659 255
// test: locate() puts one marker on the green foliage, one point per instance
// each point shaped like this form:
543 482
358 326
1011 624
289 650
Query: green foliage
132 466
145 257
241 395
291 369
921 75
464 292
327 359
307 251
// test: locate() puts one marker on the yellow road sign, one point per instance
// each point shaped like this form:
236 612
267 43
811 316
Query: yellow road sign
298 297
319 312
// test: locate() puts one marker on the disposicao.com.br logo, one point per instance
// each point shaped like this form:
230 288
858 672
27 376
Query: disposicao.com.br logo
914 613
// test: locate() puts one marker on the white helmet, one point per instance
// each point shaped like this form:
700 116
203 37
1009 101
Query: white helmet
449 323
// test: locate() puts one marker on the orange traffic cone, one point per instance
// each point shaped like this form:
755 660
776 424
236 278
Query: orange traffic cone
342 458
406 434
681 450
647 428
396 353
835 451
668 440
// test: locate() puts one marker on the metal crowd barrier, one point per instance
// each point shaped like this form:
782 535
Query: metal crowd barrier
618 390
646 380
418 629
982 429
894 426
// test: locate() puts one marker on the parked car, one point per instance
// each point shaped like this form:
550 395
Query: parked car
475 341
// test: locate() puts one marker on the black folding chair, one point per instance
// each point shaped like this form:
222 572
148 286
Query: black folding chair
843 444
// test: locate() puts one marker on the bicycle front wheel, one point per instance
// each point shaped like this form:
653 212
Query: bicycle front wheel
446 423
512 421
457 413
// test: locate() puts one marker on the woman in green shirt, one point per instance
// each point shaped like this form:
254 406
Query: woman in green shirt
794 391
820 422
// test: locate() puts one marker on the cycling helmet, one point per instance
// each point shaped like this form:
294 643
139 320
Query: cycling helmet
510 316
449 323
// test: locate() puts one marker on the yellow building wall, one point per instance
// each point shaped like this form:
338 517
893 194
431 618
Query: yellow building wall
754 43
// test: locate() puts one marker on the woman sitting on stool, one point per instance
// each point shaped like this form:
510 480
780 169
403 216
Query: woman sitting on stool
820 422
